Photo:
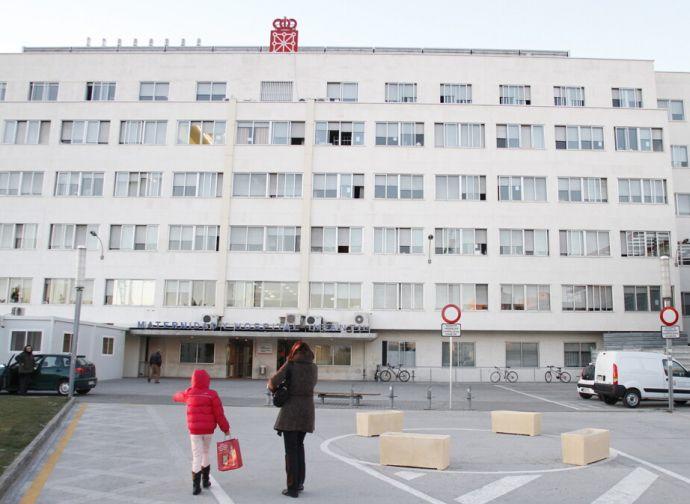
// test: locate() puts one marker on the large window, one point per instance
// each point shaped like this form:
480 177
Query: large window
339 185
339 133
520 297
340 295
26 132
211 91
190 293
197 238
261 294
71 236
470 135
138 184
626 97
267 185
43 91
342 91
567 96
15 290
645 243
584 243
642 298
398 240
197 353
107 346
674 108
587 298
401 92
639 139
398 296
78 183
463 354
394 186
683 204
85 132
456 93
522 188
265 239
20 339
578 355
276 91
139 132
62 291
461 187
515 95
685 303
460 241
583 189
519 136
18 236
403 134
399 353
522 354
336 240
21 183
197 184
100 91
580 137
133 237
650 191
524 242
470 297
270 132
121 292
332 354
153 91
679 156
201 132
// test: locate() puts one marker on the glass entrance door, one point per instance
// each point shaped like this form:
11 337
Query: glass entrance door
240 357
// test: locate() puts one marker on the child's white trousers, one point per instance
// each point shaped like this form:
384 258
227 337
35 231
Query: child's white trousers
200 446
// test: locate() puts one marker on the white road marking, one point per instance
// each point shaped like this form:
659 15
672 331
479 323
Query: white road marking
654 466
629 489
539 397
409 475
219 493
495 489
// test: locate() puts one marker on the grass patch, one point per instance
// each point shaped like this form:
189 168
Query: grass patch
21 419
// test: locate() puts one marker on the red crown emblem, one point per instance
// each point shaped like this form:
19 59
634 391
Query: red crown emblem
284 37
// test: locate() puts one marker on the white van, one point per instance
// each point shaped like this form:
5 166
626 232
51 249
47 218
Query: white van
636 376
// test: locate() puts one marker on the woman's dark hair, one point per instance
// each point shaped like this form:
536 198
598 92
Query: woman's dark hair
300 347
28 346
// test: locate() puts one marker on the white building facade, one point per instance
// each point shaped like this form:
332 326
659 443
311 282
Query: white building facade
364 188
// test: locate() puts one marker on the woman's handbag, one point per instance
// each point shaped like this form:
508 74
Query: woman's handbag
229 455
281 393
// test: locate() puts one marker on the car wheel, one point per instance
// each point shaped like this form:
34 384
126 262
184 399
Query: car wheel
63 387
632 398
83 391
585 396
610 400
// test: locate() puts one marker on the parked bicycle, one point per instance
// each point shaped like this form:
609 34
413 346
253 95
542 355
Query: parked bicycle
560 375
386 372
506 374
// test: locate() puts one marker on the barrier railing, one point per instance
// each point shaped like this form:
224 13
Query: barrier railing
436 374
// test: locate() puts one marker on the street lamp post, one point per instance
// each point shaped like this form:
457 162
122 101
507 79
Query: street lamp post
667 301
79 286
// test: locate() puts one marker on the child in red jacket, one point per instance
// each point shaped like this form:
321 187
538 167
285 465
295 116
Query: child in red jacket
204 412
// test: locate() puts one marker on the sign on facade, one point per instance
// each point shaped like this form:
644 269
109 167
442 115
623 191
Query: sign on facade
284 36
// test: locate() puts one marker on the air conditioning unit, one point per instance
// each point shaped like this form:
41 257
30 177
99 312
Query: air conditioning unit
17 311
361 319
314 320
211 319
292 318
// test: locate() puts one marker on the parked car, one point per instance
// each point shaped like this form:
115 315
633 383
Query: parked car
638 376
585 385
51 374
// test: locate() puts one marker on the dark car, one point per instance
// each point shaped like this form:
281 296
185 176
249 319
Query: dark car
51 374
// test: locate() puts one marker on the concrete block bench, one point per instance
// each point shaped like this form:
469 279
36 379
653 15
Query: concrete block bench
516 422
584 446
431 451
375 423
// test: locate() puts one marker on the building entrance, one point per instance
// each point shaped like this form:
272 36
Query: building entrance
239 355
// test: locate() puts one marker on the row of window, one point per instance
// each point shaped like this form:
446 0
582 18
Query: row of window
395 92
340 240
19 339
335 295
398 134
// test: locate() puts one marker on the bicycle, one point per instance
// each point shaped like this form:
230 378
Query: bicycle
386 372
506 374
562 376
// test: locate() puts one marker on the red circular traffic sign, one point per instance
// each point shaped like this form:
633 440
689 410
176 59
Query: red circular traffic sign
669 316
451 313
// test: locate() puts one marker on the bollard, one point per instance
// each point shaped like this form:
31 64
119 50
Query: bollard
391 396
352 395
269 398
469 398
428 397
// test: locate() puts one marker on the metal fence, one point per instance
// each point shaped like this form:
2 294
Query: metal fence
431 374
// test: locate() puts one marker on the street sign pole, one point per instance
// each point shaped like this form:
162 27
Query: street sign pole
450 314
450 377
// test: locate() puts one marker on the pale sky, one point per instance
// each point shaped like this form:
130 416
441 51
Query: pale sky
637 29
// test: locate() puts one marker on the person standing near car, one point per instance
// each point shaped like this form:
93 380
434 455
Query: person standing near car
155 363
296 417
27 365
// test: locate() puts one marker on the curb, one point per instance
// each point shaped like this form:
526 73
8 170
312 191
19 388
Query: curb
29 454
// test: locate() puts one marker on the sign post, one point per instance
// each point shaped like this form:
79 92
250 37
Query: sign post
450 314
669 317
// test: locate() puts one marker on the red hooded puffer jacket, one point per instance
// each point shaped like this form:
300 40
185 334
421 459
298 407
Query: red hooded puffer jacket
204 408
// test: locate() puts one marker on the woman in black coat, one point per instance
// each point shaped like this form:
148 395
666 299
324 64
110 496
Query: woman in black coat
296 417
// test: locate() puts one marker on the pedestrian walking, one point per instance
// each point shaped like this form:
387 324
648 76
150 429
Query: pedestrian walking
296 416
26 366
204 412
155 363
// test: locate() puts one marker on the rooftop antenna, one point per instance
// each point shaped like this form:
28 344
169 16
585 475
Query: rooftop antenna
167 42
198 42
88 41
150 42
135 43
182 43
103 42
119 42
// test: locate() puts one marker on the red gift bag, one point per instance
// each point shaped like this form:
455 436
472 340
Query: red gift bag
229 455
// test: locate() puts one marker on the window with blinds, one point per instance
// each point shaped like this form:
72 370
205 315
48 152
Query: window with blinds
276 91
